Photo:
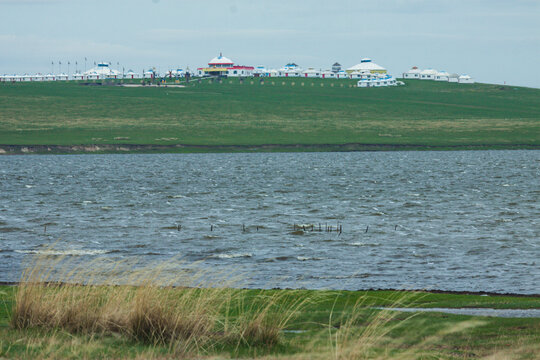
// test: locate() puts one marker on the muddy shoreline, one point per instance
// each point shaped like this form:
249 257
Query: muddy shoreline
187 148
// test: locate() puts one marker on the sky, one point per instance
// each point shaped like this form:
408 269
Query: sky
494 41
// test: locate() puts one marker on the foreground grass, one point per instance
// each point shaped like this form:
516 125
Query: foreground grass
335 324
280 111
202 316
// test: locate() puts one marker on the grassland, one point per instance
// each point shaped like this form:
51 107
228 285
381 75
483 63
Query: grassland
329 324
86 315
289 114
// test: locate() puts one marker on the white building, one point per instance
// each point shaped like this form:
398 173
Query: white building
49 77
102 71
453 78
367 65
77 76
428 74
131 75
442 76
62 77
466 79
328 74
378 80
311 73
260 71
290 70
413 73
150 74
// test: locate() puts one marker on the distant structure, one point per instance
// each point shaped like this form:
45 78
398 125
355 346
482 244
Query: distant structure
366 65
101 71
367 73
432 74
222 66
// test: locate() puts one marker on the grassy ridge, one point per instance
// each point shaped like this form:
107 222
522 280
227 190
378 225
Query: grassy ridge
251 113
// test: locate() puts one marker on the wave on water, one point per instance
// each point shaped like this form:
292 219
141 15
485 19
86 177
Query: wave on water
364 244
68 252
175 196
232 255
304 258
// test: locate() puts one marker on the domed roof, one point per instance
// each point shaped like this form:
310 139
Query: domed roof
429 72
220 60
366 65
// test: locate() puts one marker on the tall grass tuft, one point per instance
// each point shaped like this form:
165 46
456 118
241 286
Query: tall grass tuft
171 303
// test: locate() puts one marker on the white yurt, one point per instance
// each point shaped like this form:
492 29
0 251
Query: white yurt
62 77
328 74
102 71
77 76
466 79
413 73
148 74
260 71
367 64
428 74
131 75
26 77
50 77
453 78
38 77
342 75
442 76
311 73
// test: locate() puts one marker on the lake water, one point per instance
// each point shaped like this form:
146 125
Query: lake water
454 220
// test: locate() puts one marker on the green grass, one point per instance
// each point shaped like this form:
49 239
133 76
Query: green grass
425 114
427 335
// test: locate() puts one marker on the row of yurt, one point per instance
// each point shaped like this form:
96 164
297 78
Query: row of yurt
431 74
36 77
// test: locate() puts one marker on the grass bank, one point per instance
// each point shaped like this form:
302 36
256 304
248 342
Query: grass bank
92 315
274 115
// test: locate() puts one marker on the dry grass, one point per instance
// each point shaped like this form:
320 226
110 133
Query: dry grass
69 309
171 304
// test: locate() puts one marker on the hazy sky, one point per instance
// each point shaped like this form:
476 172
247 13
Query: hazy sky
494 41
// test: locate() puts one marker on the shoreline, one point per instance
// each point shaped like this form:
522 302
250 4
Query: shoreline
8 149
432 291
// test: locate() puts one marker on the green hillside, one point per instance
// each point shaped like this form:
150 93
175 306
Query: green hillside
280 111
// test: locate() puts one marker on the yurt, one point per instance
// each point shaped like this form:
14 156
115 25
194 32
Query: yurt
291 70
453 78
342 74
328 74
367 65
413 73
50 77
442 76
62 77
428 74
131 75
311 73
466 79
103 71
77 76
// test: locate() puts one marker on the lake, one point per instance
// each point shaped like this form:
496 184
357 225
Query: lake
451 220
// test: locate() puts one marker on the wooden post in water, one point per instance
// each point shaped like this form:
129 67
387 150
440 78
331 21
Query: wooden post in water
367 228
